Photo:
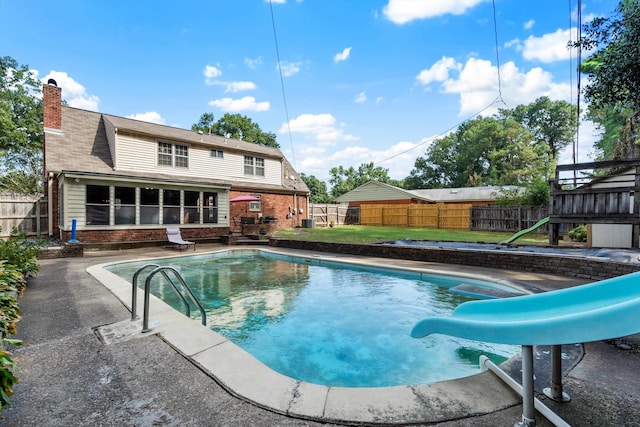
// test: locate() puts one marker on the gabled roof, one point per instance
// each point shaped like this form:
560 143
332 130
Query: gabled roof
374 191
83 146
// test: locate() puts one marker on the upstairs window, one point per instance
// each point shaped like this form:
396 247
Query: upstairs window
174 155
217 153
253 166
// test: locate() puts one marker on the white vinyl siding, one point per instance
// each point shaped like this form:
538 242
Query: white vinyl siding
140 153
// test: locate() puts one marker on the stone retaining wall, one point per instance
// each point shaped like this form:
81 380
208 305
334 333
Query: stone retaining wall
573 266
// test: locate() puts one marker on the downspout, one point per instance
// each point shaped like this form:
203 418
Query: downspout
50 204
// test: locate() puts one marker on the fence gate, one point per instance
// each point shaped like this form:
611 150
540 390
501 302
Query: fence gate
26 213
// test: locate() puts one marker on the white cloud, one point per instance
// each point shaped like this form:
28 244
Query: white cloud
399 159
529 24
248 103
73 92
238 86
379 100
211 73
548 48
476 83
253 63
319 127
403 11
342 56
290 68
149 116
360 98
438 71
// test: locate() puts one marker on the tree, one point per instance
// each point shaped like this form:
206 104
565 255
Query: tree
482 151
614 66
21 133
235 126
317 188
205 124
553 123
344 180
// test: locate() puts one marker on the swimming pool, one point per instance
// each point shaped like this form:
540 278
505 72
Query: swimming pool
324 322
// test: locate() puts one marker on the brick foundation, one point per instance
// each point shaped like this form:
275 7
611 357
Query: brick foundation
535 263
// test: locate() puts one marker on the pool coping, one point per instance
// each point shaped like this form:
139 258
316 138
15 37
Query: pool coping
244 376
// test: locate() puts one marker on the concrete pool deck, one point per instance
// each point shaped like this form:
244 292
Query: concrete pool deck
87 364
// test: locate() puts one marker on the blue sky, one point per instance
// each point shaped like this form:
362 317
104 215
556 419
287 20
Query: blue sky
365 81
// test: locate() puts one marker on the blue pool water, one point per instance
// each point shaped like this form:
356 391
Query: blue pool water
326 322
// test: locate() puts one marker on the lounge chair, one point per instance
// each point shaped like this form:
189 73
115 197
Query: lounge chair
175 239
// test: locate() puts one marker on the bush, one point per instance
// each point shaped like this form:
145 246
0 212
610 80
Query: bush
20 252
536 193
18 259
578 234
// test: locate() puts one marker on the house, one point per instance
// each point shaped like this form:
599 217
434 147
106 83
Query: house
115 179
374 192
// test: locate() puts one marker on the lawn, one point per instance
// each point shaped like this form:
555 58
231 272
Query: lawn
371 234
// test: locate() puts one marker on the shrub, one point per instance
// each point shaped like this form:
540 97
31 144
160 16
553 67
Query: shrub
18 259
7 369
578 234
21 252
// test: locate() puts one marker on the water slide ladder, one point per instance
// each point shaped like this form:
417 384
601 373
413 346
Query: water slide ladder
596 311
180 291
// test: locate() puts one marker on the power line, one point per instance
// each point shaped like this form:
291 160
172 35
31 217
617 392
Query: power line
495 33
284 97
498 98
443 133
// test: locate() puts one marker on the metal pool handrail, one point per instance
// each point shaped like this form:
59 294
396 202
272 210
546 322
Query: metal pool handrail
134 300
147 284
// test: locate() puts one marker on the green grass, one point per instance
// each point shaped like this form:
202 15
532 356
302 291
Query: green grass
371 234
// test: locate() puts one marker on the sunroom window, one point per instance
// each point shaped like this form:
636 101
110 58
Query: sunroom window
97 205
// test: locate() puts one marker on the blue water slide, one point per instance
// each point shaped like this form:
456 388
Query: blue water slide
601 310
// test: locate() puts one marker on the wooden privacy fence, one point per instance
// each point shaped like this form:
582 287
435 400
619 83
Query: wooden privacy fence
508 218
26 213
453 217
325 213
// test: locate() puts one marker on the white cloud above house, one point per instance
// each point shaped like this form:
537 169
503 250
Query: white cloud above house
476 84
342 56
529 24
438 72
236 87
149 116
322 128
73 92
290 68
404 11
360 98
248 103
253 63
399 158
211 73
548 48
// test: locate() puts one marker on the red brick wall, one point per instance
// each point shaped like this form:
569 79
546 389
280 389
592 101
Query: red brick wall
52 104
278 205
133 235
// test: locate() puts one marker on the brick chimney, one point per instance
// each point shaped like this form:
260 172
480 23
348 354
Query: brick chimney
52 103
